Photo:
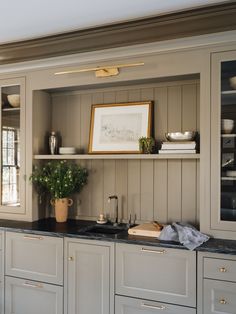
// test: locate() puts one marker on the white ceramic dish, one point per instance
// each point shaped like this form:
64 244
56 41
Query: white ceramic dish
227 126
67 150
102 222
14 100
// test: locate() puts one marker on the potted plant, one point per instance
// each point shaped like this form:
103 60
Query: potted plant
146 145
60 179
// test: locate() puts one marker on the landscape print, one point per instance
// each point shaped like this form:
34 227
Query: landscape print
120 128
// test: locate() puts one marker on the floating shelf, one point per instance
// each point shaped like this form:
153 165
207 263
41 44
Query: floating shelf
11 109
228 178
228 135
121 156
229 92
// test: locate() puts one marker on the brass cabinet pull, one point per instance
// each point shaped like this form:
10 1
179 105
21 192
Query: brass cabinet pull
33 237
70 258
32 285
222 269
153 251
222 301
154 307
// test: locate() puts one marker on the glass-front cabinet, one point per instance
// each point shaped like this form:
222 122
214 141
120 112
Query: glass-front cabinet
223 141
12 146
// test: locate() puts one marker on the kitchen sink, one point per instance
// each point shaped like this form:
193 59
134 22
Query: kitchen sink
106 229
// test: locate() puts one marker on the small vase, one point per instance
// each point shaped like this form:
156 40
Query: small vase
61 208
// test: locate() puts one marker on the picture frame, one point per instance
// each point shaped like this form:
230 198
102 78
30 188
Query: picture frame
116 128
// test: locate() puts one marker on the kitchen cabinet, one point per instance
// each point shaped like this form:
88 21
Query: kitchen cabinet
12 146
223 145
216 283
89 282
158 274
32 297
33 274
124 305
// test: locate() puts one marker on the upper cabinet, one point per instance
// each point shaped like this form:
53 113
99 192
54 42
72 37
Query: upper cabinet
12 146
223 147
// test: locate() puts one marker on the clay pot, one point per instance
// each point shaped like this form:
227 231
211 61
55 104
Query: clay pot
61 208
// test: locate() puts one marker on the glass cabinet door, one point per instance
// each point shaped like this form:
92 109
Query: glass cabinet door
223 139
12 146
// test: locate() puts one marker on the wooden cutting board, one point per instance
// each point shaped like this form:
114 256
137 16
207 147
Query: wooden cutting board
146 230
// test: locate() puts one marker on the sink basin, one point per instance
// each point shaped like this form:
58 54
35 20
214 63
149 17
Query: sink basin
107 229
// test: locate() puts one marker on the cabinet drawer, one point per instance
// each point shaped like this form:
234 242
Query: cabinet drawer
219 297
158 274
125 305
34 257
222 269
27 297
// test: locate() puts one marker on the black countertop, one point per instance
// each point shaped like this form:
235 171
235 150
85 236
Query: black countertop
77 229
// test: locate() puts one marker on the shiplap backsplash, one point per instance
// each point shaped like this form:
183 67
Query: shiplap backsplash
163 190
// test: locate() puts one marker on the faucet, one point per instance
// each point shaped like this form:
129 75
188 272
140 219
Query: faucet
109 201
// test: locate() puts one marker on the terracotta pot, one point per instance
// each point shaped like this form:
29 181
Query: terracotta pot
61 208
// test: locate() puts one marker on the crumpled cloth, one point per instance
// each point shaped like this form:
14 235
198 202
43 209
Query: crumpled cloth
186 234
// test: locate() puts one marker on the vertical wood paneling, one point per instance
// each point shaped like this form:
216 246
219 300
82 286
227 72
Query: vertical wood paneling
85 103
164 190
198 107
160 191
134 182
189 107
174 109
146 190
198 192
189 191
97 187
122 186
174 190
160 113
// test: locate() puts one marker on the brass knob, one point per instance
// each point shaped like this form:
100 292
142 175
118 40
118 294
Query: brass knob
223 270
222 301
70 258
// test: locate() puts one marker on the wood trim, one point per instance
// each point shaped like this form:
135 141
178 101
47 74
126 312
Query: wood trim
204 20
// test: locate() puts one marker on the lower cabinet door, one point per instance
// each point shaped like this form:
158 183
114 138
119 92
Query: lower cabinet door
88 274
219 297
32 297
124 305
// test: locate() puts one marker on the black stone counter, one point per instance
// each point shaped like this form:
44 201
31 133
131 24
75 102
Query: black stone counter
77 229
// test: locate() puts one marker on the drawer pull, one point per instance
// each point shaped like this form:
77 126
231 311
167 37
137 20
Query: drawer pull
70 258
33 237
32 285
153 251
222 269
222 301
154 307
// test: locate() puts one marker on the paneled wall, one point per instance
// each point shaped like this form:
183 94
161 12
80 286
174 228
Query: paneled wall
164 190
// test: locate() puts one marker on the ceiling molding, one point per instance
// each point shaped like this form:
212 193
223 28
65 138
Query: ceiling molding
188 23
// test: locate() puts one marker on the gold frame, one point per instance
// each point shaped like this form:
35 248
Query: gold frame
149 126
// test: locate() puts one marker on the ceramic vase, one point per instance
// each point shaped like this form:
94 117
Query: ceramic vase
61 208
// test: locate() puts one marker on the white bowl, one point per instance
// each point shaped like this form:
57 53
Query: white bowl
14 100
227 126
232 82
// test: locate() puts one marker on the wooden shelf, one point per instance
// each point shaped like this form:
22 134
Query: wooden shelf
228 178
11 109
119 156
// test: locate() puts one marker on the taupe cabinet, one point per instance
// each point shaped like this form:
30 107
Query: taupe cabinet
217 284
157 274
33 274
89 278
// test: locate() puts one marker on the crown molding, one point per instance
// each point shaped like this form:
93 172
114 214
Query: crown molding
205 20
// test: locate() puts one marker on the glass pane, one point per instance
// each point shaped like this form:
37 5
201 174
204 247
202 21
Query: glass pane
10 154
228 141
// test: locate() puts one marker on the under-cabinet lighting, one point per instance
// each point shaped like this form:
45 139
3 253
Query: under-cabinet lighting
110 70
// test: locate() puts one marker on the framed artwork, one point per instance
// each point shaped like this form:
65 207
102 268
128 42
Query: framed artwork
116 128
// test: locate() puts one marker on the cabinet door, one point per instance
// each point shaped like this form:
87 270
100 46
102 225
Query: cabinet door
32 297
223 144
34 257
158 274
12 145
219 297
88 279
124 305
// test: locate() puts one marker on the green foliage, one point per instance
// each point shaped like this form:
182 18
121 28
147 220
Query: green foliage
59 178
146 145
